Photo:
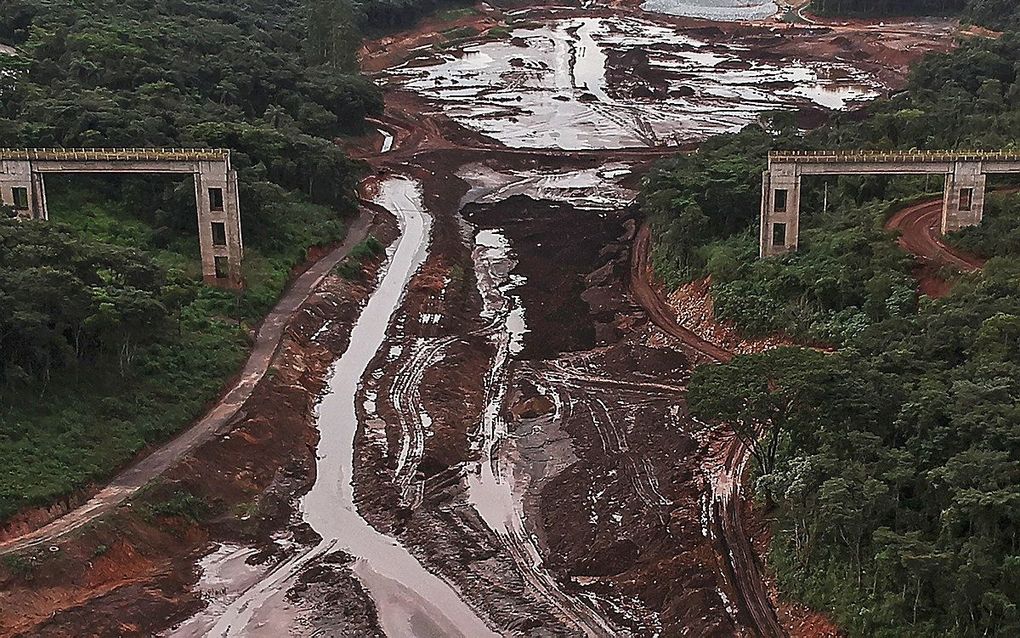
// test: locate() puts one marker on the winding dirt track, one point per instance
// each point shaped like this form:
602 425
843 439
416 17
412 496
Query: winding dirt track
137 475
647 294
921 228
741 563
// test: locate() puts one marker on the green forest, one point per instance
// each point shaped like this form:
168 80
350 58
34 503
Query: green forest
110 341
996 14
887 7
889 459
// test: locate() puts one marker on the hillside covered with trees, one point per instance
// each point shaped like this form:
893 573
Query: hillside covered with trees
891 467
887 7
109 340
996 14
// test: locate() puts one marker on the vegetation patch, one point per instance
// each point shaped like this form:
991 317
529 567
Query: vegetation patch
353 267
179 504
891 465
109 342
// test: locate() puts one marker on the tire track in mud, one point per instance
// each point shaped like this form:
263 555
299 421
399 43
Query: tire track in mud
414 420
921 236
493 473
497 501
742 566
577 388
405 592
581 393
216 420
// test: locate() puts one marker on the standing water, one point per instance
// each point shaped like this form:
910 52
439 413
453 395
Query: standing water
410 600
715 9
387 142
493 487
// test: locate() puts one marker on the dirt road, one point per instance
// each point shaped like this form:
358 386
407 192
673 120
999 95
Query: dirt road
743 568
920 225
601 530
646 292
136 476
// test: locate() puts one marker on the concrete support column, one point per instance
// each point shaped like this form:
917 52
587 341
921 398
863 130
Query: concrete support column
22 189
219 224
964 198
780 210
40 210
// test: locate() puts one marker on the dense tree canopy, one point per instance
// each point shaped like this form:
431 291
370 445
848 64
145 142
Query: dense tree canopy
274 81
847 273
62 300
997 14
894 463
887 7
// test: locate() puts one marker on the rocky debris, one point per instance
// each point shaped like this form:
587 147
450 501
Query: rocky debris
693 305
339 604
533 407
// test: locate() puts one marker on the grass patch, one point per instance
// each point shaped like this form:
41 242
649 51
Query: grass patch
18 565
449 15
353 267
180 504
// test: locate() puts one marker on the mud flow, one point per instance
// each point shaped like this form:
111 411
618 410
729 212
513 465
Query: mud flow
597 83
504 447
714 9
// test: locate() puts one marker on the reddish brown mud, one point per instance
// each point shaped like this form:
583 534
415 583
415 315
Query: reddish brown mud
131 573
920 228
632 508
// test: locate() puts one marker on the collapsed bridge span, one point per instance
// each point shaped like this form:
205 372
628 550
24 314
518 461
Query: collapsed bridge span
963 196
22 188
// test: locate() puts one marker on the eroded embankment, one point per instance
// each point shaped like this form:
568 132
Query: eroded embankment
408 598
618 509
567 511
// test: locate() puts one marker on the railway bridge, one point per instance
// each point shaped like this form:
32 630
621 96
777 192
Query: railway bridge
22 187
963 196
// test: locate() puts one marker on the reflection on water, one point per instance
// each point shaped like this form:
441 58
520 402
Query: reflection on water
555 86
405 593
714 9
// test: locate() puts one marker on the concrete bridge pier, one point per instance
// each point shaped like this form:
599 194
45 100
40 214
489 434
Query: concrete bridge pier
219 223
963 202
964 197
216 197
23 189
780 210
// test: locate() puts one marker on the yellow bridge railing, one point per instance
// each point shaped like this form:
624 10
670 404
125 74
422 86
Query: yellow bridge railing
851 156
115 154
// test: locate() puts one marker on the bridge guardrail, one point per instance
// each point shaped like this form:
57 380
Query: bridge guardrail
116 154
857 156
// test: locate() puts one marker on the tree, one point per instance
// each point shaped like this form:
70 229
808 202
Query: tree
333 37
764 398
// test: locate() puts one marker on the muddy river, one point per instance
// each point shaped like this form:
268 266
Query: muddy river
409 599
